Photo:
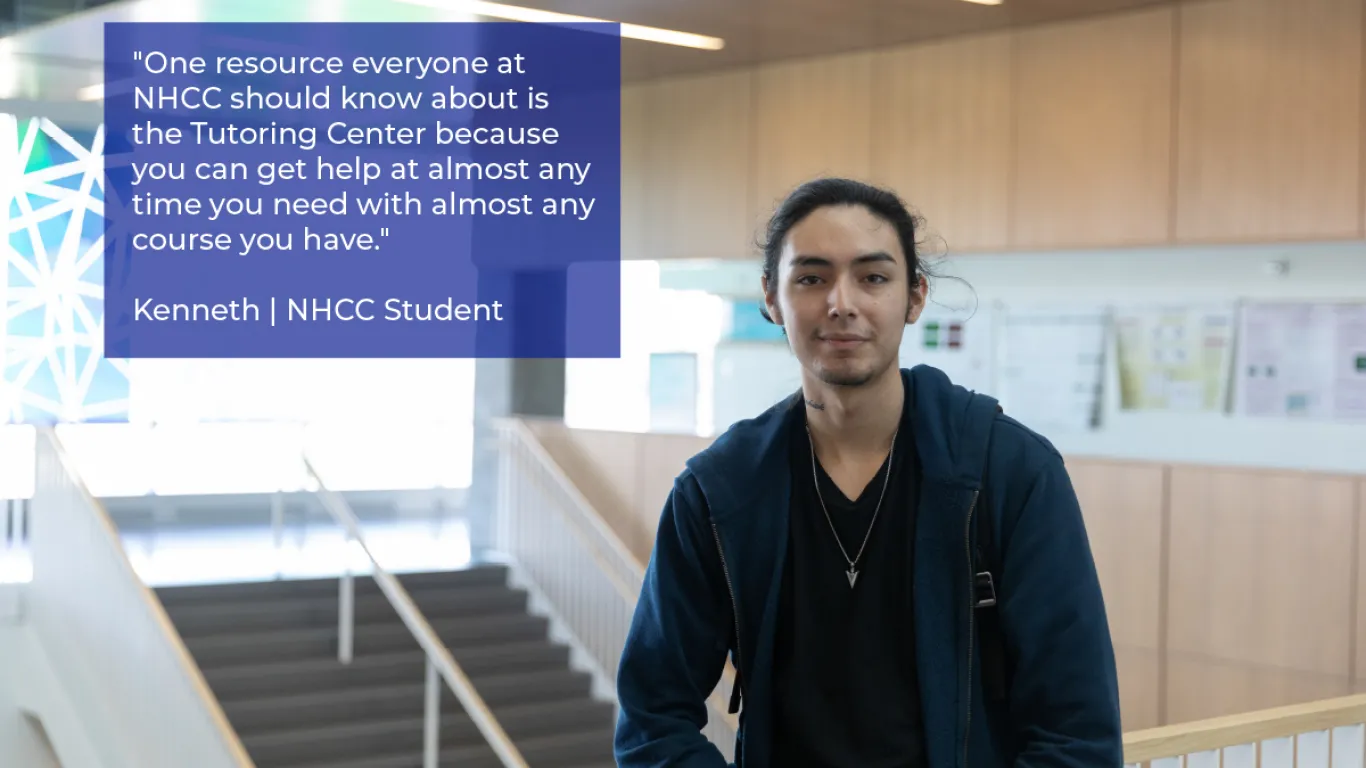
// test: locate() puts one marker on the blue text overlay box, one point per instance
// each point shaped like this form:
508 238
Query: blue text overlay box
362 190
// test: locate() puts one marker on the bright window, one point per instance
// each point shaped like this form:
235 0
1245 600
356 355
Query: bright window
186 426
615 394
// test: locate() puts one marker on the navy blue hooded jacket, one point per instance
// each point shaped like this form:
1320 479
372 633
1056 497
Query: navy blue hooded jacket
719 555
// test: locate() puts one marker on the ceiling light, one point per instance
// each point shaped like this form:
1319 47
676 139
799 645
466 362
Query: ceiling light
984 2
518 13
533 15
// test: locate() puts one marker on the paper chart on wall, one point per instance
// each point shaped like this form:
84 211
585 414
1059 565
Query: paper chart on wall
1051 367
960 344
1174 358
1302 360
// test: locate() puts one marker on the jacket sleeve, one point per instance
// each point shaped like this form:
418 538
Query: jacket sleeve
676 648
1064 691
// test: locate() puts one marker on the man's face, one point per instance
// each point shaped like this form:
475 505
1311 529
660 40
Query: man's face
842 294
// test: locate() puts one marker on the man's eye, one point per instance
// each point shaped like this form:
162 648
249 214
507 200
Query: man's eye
808 280
878 278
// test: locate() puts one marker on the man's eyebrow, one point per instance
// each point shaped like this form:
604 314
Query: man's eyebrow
821 261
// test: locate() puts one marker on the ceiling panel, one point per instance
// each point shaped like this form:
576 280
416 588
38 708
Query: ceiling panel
767 30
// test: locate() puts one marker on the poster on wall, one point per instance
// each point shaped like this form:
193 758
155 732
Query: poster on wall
673 392
1302 360
1174 358
959 343
1051 367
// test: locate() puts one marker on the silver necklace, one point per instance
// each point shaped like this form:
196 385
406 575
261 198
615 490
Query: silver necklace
852 573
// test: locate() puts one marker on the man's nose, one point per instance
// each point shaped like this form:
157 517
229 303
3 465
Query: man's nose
841 298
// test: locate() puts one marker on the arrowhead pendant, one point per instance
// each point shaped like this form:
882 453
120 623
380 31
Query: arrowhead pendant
853 577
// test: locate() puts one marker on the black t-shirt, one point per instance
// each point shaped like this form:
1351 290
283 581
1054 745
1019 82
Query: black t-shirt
846 689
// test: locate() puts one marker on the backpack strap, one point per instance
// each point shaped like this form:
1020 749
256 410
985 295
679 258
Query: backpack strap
986 566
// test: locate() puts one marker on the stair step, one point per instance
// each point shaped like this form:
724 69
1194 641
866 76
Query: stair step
387 737
329 674
281 713
558 751
482 575
268 650
303 644
293 612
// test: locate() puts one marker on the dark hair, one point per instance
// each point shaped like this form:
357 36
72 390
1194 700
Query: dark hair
820 193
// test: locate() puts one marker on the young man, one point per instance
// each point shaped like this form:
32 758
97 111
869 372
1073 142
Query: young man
899 571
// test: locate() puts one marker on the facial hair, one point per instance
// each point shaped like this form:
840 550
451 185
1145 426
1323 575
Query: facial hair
858 379
845 379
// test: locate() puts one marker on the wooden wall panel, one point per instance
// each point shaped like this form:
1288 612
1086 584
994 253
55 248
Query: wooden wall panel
1093 149
1201 687
1359 639
1260 590
637 183
1269 136
1212 121
812 118
1122 504
699 206
604 467
662 459
942 136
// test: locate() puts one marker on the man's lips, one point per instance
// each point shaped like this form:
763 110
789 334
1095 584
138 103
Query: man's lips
843 340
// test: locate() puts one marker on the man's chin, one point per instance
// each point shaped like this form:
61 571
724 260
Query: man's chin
846 377
850 376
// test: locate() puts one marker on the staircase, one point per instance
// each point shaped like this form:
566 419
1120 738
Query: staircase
269 653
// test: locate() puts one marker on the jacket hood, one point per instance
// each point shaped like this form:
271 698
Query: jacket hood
952 426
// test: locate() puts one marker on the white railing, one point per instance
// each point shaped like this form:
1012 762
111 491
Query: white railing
122 664
440 664
1320 734
572 557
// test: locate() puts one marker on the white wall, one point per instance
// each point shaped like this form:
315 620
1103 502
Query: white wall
19 745
1033 280
37 723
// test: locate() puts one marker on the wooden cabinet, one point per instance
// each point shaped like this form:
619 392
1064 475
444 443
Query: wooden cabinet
942 131
1093 132
699 204
811 118
1269 135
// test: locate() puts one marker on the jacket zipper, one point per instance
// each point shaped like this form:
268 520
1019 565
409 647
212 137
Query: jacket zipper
972 610
734 612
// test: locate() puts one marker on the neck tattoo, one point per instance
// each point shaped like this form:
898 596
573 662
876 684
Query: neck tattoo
814 404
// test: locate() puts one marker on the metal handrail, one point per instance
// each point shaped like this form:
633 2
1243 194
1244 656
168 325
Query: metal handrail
590 516
440 663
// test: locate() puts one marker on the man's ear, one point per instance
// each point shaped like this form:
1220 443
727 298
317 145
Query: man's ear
775 315
917 304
